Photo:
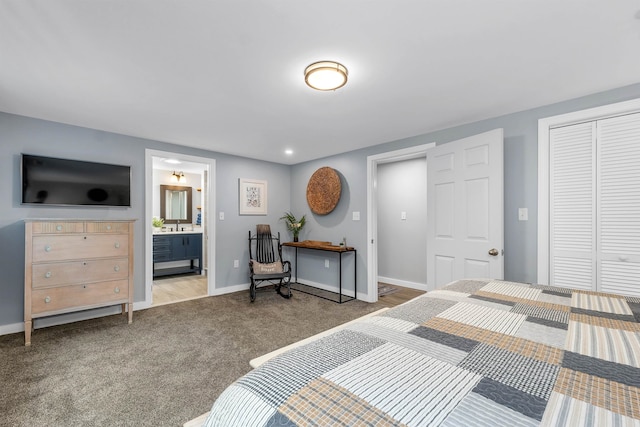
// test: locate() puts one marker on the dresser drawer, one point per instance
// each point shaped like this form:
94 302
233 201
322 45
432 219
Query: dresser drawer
57 227
107 227
54 274
78 297
81 246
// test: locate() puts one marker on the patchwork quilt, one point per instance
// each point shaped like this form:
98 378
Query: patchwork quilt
475 353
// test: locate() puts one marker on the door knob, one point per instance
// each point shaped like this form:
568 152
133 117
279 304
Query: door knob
493 252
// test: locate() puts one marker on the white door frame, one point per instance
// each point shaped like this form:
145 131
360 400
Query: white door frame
210 202
372 207
544 126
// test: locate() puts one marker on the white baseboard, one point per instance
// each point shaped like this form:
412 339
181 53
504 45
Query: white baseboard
403 283
11 328
231 289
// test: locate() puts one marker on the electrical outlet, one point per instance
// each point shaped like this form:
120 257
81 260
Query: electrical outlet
236 263
326 263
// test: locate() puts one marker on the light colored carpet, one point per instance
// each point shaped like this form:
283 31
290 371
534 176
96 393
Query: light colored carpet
164 369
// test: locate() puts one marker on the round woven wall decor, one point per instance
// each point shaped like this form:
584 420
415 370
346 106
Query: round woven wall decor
323 190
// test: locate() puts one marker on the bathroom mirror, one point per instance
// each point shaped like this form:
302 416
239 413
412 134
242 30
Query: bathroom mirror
175 204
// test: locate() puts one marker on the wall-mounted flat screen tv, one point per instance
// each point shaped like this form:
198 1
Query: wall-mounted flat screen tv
52 181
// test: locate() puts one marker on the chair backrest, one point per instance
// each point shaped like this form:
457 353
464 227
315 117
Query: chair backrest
267 246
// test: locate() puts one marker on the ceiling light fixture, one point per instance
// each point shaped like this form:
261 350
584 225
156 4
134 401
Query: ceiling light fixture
325 75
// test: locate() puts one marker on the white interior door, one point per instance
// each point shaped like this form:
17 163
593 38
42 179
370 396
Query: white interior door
465 209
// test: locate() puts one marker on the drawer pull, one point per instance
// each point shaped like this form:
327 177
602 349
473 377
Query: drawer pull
47 274
117 245
59 227
47 248
108 227
47 299
116 290
116 268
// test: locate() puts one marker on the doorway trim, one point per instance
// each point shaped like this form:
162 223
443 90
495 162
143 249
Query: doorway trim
210 201
544 127
372 207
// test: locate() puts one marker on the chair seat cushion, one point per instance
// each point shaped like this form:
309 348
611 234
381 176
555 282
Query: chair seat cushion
267 268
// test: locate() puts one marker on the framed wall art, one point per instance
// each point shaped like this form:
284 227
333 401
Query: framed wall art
253 197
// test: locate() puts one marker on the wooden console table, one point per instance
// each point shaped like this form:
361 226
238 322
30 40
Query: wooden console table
327 247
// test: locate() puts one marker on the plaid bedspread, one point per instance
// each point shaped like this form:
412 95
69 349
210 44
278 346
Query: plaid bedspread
477 352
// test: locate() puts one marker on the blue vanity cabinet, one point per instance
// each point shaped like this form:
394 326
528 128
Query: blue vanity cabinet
177 247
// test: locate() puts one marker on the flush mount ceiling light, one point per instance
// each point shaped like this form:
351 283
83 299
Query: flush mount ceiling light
325 75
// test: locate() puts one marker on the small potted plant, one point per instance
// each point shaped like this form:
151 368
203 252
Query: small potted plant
157 223
294 225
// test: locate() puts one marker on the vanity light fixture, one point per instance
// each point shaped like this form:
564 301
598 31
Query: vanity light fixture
178 177
326 75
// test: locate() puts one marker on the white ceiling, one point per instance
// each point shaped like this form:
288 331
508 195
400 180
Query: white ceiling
228 75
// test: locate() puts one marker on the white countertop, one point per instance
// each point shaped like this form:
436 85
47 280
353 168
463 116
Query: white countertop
178 232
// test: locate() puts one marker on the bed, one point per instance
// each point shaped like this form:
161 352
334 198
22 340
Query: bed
476 352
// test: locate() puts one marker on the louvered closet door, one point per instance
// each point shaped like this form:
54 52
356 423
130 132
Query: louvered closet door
572 206
595 205
618 142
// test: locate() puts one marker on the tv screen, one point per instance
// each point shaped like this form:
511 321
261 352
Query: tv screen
51 181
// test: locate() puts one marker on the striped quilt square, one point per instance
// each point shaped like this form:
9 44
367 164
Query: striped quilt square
542 312
600 302
478 411
412 388
512 289
517 400
602 392
565 411
282 376
398 325
605 322
467 286
562 299
450 340
323 403
446 353
534 329
419 310
485 318
229 409
612 371
522 373
553 290
615 345
525 347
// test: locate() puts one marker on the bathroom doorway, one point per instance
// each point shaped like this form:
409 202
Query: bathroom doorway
180 262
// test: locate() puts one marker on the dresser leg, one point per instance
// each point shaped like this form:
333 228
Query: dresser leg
27 332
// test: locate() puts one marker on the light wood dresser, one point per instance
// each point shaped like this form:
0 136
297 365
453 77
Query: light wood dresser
73 265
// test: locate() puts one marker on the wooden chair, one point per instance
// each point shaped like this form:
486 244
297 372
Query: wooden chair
265 262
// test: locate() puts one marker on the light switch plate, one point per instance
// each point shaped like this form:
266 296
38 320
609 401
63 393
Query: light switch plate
403 216
356 216
221 216
523 214
236 263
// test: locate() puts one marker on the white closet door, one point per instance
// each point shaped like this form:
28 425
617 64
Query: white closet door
619 204
572 206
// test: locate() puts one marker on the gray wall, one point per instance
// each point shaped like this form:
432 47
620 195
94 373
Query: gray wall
287 190
25 135
402 246
520 182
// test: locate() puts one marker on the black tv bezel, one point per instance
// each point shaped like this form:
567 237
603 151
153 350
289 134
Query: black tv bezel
102 205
